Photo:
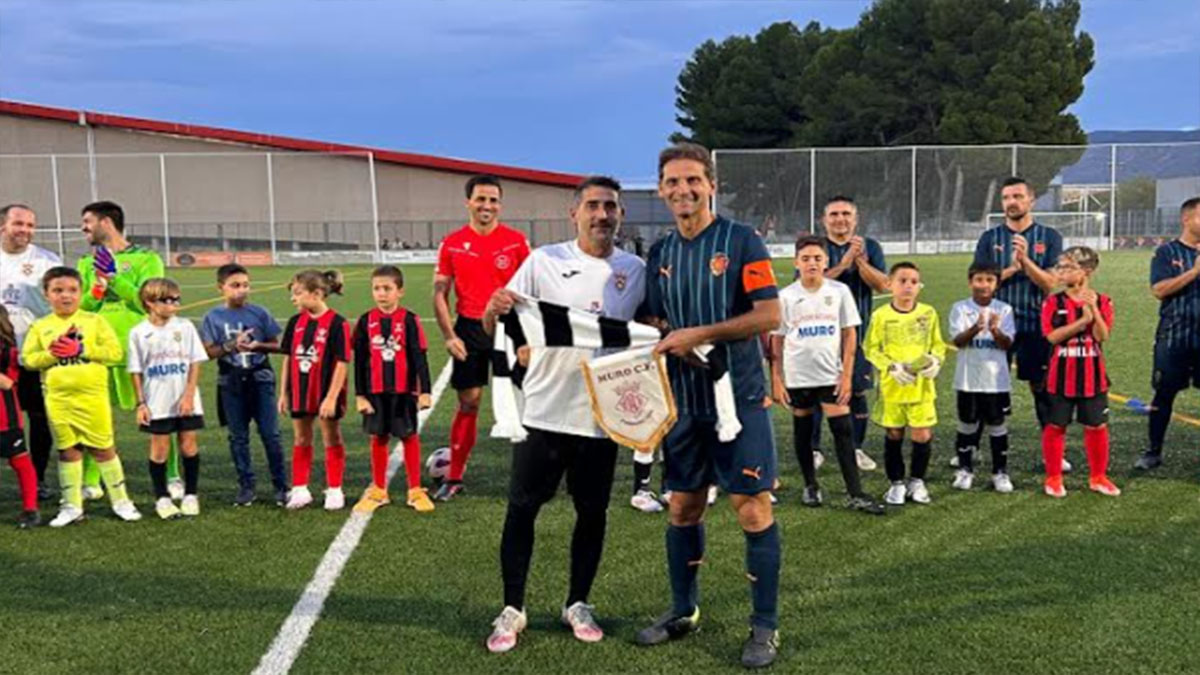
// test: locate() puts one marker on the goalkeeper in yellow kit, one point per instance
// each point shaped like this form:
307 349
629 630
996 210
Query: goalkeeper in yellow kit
905 344
73 349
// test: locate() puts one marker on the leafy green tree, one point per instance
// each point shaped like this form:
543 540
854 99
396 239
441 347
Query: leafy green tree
929 72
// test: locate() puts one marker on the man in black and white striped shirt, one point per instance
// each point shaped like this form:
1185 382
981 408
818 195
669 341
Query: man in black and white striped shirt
588 274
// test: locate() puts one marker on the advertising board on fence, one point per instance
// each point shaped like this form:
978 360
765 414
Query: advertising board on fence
218 258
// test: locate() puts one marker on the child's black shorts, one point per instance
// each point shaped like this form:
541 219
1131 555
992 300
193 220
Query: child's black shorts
170 425
395 415
12 443
990 408
1090 412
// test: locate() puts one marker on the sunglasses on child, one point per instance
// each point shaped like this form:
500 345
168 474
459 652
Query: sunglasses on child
169 300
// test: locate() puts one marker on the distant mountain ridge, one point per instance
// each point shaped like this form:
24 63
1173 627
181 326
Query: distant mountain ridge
1144 136
1156 162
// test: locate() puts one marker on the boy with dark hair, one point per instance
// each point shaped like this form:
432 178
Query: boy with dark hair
239 335
1077 321
75 349
982 328
812 367
905 344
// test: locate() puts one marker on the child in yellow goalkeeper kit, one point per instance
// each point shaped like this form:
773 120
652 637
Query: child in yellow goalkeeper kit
905 344
73 349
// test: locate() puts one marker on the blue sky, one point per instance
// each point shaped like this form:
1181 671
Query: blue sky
573 86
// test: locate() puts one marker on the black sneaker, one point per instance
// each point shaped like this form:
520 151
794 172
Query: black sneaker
866 505
245 496
44 492
449 490
669 626
281 497
812 496
1149 460
760 648
29 520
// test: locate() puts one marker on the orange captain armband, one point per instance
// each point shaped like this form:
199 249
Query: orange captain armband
757 274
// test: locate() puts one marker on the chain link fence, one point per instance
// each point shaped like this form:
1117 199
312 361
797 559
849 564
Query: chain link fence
207 208
933 199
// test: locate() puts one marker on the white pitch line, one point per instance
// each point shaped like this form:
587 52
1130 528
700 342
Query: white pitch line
294 632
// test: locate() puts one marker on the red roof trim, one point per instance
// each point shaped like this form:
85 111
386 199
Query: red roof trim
288 143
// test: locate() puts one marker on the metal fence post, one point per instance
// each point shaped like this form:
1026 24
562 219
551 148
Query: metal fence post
1014 161
166 212
271 208
93 179
912 206
714 201
1112 196
62 244
812 191
378 257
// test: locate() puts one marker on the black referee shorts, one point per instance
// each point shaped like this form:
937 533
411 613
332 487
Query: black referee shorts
472 372
1175 368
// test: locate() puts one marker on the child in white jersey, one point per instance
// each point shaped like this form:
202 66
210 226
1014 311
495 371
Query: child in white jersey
164 357
982 328
812 365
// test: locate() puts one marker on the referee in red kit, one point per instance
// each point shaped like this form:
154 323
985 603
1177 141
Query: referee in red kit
474 261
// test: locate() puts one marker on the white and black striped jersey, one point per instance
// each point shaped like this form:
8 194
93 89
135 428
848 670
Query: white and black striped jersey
21 286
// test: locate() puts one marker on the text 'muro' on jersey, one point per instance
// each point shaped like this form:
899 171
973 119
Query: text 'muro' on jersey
811 328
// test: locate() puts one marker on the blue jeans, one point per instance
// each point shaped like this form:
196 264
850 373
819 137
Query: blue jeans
245 397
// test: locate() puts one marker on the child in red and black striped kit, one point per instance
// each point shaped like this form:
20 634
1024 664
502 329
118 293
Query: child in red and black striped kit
1076 322
391 383
12 432
312 388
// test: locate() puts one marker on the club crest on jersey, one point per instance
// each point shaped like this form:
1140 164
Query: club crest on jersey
27 268
177 336
305 358
1039 248
829 301
620 280
387 347
466 246
718 264
503 262
321 335
125 267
